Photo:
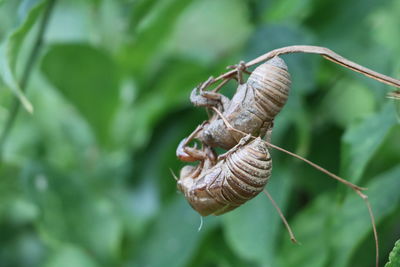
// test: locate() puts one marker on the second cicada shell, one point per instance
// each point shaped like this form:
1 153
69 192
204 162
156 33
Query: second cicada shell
253 107
236 178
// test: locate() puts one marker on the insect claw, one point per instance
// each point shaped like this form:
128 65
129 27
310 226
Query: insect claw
239 69
231 67
207 83
247 71
222 156
240 66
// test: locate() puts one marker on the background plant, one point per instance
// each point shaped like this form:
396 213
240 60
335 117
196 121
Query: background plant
85 180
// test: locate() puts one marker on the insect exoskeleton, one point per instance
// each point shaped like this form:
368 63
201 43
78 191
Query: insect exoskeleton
238 176
253 107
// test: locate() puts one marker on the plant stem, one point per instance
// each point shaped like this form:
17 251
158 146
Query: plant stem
15 106
318 50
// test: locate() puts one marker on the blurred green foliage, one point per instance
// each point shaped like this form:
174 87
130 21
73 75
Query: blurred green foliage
85 179
394 256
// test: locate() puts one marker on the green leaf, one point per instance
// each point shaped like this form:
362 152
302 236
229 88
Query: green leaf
362 140
331 232
140 10
207 33
386 35
215 251
150 36
9 189
310 228
11 52
88 79
174 237
352 224
268 37
70 256
172 84
345 110
100 228
71 212
394 256
16 39
292 10
330 25
251 229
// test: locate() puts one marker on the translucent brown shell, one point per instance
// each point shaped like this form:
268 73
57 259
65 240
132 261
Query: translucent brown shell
230 183
271 84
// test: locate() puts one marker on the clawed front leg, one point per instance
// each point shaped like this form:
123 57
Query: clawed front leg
191 154
203 98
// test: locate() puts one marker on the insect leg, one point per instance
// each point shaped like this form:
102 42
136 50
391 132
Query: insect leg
292 237
198 98
219 86
356 188
192 154
239 69
189 154
353 186
202 98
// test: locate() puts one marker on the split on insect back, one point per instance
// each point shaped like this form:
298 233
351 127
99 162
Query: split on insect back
221 183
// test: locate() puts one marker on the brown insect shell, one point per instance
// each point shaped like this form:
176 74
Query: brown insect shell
253 107
217 189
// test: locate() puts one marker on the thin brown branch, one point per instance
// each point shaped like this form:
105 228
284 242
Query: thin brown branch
322 51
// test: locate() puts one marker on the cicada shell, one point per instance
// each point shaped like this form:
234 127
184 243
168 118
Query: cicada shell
233 180
253 107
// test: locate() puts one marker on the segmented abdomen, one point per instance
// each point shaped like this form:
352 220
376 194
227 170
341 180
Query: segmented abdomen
248 170
244 174
271 84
